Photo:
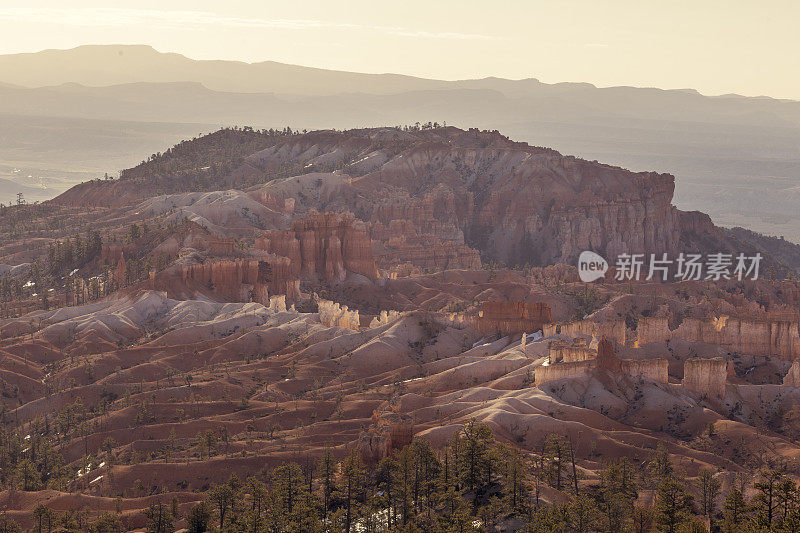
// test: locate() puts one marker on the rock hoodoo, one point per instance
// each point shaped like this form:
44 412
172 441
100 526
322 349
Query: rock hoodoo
606 355
332 314
547 373
567 352
384 318
425 231
323 246
570 361
389 432
706 377
110 254
241 280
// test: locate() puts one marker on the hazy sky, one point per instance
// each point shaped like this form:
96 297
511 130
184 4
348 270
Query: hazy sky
717 47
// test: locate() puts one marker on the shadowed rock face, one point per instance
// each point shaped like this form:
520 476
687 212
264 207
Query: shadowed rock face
515 203
324 245
705 376
606 357
240 280
512 317
767 336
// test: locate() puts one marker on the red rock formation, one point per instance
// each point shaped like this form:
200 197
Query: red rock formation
388 433
324 245
731 370
219 245
445 197
424 231
570 353
750 337
232 279
121 272
653 369
615 331
400 436
110 254
576 359
285 244
284 205
546 373
606 356
430 254
507 318
514 203
402 270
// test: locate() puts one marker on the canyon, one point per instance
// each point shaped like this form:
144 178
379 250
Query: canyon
354 294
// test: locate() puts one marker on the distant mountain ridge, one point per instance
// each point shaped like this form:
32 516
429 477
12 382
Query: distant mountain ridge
736 158
105 65
125 81
102 65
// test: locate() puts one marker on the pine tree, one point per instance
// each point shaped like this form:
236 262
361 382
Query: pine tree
516 486
708 489
735 509
786 498
327 468
223 497
199 518
288 490
159 518
766 500
673 504
555 450
8 525
617 494
475 461
426 473
352 481
582 514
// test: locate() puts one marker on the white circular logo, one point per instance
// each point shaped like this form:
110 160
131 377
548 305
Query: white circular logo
591 266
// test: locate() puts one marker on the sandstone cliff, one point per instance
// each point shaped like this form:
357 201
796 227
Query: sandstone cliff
512 317
241 280
547 373
577 359
438 197
792 378
778 338
570 352
705 377
323 246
